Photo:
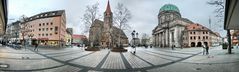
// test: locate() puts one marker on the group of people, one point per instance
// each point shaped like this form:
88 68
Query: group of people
205 49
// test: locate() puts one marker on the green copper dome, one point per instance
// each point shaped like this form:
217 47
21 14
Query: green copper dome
169 7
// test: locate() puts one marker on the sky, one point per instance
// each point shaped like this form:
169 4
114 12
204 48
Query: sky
144 12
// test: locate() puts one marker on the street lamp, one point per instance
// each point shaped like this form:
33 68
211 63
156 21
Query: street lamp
30 36
133 37
16 39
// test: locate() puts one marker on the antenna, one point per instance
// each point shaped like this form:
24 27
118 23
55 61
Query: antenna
209 21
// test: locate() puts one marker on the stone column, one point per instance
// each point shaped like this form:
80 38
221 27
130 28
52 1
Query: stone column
157 40
161 39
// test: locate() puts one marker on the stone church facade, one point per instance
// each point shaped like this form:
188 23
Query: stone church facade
170 26
104 34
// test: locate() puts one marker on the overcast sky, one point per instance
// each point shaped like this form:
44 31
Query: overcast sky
144 12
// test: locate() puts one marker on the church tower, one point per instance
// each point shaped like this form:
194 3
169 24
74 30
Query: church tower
107 28
108 17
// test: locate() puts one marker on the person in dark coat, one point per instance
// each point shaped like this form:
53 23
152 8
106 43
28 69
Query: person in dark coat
36 45
207 48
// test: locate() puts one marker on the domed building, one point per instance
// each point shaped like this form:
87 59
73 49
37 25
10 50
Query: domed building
170 26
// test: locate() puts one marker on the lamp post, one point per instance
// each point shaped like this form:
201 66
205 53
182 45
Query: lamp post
16 38
30 36
133 37
137 36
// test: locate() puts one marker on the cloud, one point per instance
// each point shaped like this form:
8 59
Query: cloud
144 12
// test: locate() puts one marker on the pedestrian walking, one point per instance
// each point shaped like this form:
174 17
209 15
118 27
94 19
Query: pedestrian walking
36 45
172 45
207 48
203 49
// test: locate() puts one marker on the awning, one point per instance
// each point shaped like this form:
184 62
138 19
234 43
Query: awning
43 39
232 15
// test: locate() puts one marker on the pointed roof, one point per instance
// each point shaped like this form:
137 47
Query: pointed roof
108 10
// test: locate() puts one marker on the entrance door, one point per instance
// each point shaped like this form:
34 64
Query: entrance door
192 44
199 44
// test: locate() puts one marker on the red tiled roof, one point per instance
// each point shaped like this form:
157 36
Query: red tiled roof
78 36
196 27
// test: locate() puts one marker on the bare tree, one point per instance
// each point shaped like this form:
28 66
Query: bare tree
121 18
24 30
144 39
220 4
91 13
181 38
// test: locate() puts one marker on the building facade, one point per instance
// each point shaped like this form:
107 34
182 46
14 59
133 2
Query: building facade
12 32
79 39
235 37
216 39
68 36
48 28
195 35
104 34
170 26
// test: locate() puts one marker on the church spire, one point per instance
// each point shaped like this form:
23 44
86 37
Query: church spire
108 10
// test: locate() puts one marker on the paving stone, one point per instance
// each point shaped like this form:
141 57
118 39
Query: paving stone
114 61
184 67
134 61
163 56
152 59
65 68
94 71
91 60
172 54
72 56
63 53
15 55
29 64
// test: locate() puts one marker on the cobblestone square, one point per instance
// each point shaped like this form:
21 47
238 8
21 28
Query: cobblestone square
145 60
